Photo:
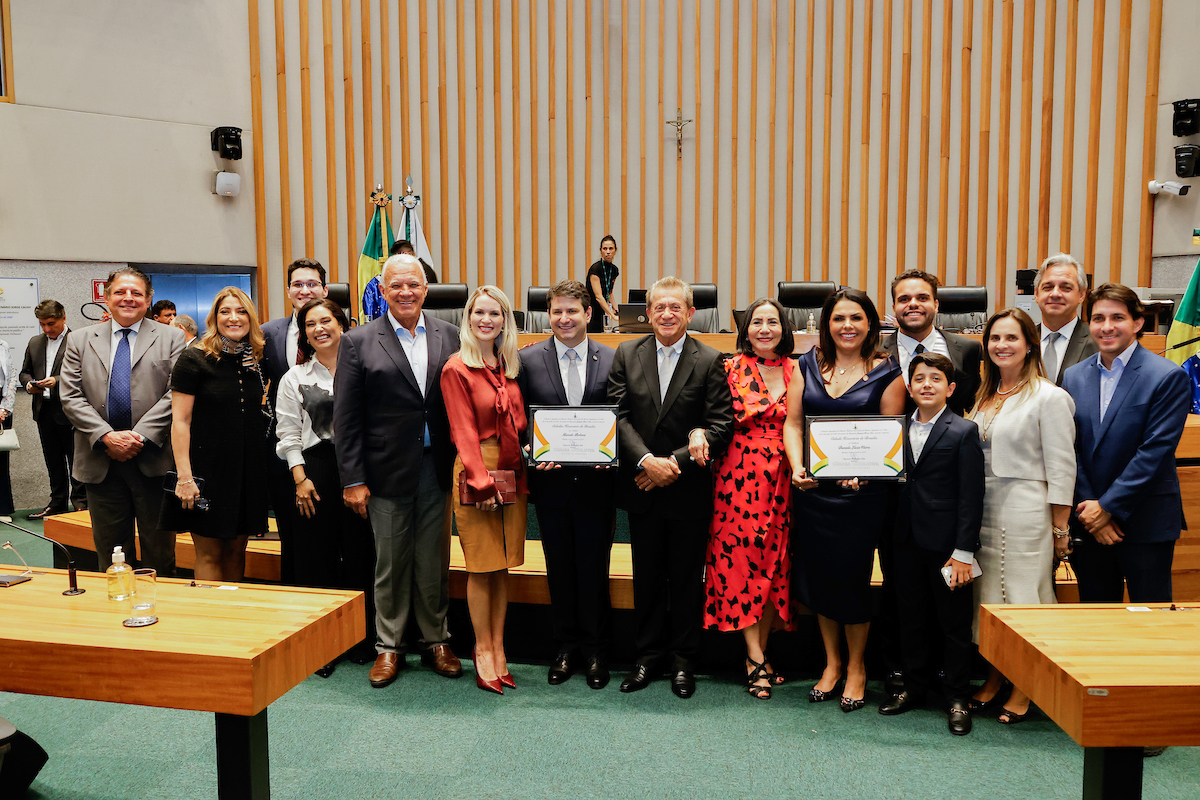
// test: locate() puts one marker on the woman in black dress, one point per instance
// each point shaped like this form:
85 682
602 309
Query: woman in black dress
218 432
836 525
601 278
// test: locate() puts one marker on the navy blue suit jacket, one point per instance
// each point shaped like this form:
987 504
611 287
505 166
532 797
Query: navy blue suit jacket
541 385
1127 462
941 501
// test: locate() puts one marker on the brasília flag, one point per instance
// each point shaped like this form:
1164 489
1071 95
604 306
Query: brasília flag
1183 340
374 253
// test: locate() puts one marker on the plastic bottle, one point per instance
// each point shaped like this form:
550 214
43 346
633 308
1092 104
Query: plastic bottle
120 577
811 327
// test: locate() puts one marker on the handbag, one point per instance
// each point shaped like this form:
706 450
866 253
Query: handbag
506 485
9 440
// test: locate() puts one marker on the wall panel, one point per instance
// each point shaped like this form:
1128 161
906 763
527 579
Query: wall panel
851 139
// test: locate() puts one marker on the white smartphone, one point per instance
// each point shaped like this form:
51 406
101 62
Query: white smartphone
975 572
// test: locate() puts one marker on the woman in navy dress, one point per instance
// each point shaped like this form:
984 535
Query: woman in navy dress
836 525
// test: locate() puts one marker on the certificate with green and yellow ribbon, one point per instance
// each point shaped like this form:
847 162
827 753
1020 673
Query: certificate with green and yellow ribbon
844 447
573 435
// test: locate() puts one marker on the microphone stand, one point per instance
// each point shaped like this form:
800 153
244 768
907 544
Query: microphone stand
71 573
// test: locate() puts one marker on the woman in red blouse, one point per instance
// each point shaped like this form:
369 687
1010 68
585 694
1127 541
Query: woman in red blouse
487 417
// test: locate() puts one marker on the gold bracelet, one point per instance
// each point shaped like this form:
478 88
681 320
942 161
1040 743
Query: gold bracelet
1060 533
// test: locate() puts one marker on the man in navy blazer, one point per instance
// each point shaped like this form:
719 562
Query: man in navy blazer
574 505
938 516
1130 409
394 457
281 349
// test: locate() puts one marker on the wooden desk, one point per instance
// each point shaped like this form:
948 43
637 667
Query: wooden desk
228 651
1114 680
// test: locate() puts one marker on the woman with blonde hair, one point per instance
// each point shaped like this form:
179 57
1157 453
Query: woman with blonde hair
487 418
1027 429
219 427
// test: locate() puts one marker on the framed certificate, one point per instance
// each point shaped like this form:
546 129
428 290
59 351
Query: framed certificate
844 447
578 436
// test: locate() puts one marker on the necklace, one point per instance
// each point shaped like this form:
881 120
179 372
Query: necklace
987 424
1003 395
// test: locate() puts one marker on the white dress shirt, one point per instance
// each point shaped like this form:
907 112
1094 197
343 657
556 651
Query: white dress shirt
52 348
292 343
114 339
918 435
416 350
1109 378
564 363
1060 346
906 347
676 350
293 425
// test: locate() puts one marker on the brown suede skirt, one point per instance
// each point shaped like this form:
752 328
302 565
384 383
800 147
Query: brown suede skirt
491 540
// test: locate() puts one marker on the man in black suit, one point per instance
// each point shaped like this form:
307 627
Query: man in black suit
39 376
937 529
1059 289
394 456
915 307
281 351
574 505
675 408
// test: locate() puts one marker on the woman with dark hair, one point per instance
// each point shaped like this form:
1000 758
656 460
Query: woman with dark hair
331 545
1027 429
218 434
749 565
837 525
601 278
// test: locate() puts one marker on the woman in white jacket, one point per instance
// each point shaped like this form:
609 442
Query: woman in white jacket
1027 429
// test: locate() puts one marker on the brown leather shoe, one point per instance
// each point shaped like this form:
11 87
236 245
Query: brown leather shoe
387 666
443 661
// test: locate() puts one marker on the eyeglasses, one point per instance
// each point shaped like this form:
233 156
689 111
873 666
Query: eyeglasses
306 284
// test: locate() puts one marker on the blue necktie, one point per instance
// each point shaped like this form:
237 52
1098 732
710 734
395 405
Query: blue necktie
120 401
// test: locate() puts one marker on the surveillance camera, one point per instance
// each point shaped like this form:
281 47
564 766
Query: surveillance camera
1170 187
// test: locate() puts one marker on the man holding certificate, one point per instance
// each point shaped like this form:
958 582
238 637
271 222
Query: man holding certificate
676 411
574 504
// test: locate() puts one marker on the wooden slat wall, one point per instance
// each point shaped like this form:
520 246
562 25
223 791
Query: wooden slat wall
1021 139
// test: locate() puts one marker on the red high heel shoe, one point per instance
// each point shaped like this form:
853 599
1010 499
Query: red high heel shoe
507 680
493 685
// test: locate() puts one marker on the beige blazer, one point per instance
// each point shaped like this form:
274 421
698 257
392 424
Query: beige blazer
84 393
1034 439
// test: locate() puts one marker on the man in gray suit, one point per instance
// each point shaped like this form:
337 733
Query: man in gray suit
116 391
394 457
1059 289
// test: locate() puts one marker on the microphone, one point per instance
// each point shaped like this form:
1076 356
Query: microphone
1182 344
71 572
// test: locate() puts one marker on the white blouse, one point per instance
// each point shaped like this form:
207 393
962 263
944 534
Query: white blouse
303 410
8 379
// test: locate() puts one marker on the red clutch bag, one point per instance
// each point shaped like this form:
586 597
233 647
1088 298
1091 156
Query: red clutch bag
506 484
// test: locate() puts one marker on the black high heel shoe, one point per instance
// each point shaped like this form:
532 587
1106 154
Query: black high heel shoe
815 695
848 704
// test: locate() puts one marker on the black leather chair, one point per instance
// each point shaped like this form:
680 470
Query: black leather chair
446 301
704 300
962 307
738 315
801 298
340 294
537 309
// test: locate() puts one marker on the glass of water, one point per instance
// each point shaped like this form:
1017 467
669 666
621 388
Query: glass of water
142 605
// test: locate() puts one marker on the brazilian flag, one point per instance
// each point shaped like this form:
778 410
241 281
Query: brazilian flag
370 262
1183 340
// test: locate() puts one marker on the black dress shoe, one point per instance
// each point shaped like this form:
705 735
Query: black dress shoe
901 702
46 512
637 680
959 718
561 669
597 673
683 684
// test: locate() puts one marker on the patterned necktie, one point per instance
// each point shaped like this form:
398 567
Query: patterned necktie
664 371
1050 355
120 401
574 384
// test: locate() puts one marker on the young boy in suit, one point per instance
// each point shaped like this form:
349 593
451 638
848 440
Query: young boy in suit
937 532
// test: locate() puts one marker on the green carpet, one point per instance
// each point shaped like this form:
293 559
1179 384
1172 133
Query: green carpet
425 736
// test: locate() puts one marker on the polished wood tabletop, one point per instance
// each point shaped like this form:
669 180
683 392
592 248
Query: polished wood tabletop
230 650
1107 675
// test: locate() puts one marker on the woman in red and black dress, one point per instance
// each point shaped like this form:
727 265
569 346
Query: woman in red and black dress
749 566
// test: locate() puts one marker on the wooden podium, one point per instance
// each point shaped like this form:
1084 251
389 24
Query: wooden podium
1115 678
231 650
